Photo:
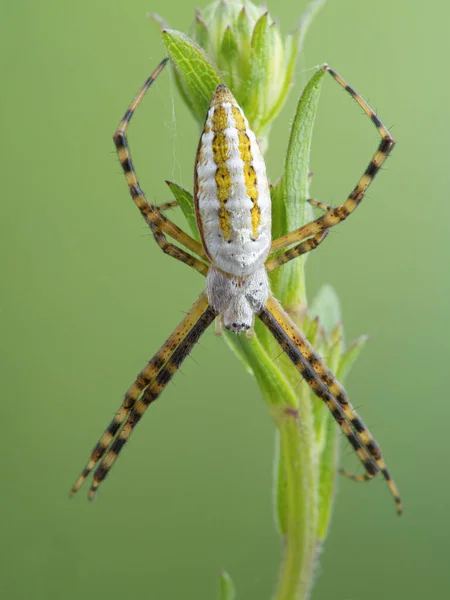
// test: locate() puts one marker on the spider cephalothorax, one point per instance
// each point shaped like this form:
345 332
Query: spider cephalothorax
233 211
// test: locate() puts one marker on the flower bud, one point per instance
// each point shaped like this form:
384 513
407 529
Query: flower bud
241 42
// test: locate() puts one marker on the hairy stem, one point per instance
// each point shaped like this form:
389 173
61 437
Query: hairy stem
298 480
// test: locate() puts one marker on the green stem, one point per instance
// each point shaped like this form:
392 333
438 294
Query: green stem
298 475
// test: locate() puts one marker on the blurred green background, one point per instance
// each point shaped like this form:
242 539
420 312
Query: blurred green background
87 298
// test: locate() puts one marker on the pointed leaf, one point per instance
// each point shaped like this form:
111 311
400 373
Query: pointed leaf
200 77
160 21
312 331
348 359
201 32
279 225
244 37
326 306
256 99
337 336
229 47
290 285
186 202
333 356
227 591
293 45
219 17
227 58
291 48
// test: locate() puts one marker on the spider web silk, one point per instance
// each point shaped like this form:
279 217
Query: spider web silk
176 173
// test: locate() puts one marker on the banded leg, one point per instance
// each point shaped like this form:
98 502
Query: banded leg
321 205
167 205
298 250
302 247
356 476
325 208
143 380
340 213
152 215
328 389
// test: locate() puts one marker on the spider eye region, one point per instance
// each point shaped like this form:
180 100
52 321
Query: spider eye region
237 298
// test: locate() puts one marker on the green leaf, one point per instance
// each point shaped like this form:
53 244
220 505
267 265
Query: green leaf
279 225
229 47
233 342
256 99
350 356
201 32
227 591
274 386
160 21
337 336
227 57
293 45
313 332
243 36
327 307
198 74
186 202
290 282
219 18
291 48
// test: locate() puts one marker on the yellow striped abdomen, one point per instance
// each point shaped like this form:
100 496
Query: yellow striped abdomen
231 190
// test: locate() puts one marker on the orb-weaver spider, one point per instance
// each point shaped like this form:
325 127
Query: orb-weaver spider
233 212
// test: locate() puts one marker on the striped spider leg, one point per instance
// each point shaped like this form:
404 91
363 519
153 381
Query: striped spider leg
298 250
327 388
320 227
335 215
157 221
147 387
161 367
233 212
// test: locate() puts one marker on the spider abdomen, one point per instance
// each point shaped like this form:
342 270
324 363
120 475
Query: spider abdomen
232 197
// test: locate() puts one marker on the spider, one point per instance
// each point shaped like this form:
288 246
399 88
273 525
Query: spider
236 253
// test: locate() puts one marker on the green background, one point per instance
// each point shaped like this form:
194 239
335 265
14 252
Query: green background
87 298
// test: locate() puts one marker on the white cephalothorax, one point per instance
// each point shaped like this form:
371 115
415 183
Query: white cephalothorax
232 201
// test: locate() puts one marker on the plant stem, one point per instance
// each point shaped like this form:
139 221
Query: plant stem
299 476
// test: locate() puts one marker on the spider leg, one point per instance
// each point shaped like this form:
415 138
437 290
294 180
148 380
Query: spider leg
167 205
181 342
298 250
356 477
158 223
340 213
321 205
328 389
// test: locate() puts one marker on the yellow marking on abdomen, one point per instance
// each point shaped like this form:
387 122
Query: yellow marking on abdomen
251 184
238 119
250 178
220 119
221 153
